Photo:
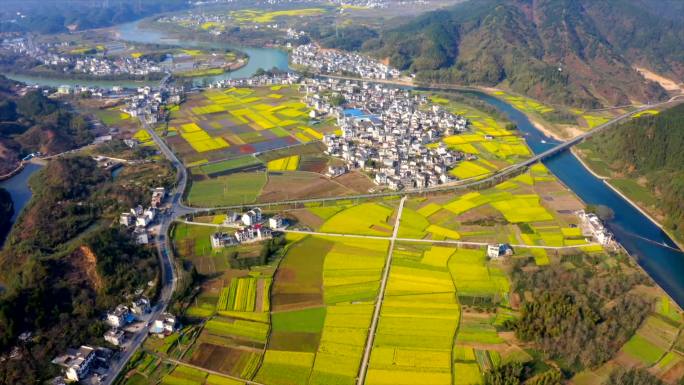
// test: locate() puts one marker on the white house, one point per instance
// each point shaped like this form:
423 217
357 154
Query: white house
164 324
76 362
127 219
275 222
220 240
141 306
119 317
252 217
115 336
496 251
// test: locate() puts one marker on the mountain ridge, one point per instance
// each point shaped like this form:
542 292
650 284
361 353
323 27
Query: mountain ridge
561 51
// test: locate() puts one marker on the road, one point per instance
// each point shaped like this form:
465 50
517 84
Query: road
410 240
164 251
178 209
363 369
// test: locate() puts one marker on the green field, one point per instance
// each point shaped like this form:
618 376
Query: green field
233 189
364 219
230 164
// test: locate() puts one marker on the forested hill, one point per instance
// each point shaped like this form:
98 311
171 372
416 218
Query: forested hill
651 147
56 16
522 43
33 122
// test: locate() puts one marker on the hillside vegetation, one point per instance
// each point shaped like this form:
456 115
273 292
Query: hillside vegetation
523 43
64 264
6 212
59 16
32 123
650 148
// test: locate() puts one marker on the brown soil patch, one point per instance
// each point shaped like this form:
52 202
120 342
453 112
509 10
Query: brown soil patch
664 82
84 268
294 341
674 374
300 185
220 358
296 301
307 218
259 307
356 181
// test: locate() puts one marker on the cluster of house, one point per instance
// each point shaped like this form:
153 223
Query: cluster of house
280 79
593 226
251 226
96 65
146 103
328 61
79 363
102 66
88 360
140 218
367 3
388 132
123 315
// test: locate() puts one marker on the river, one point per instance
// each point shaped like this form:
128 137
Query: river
265 58
18 187
643 239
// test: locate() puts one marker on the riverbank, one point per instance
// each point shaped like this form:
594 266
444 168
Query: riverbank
631 201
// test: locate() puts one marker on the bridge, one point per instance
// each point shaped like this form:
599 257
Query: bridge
495 178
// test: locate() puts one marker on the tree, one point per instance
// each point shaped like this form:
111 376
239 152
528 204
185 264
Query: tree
622 376
508 374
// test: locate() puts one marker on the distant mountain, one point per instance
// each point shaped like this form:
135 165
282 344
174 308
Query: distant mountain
573 52
57 16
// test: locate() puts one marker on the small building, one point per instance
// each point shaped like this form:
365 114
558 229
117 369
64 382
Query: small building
253 233
220 240
76 362
252 217
65 90
165 324
127 219
115 337
141 306
141 238
593 226
120 317
497 251
275 222
335 171
158 195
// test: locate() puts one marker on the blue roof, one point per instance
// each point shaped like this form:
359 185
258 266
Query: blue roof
354 112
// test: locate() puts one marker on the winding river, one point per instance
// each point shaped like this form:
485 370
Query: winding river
265 58
642 238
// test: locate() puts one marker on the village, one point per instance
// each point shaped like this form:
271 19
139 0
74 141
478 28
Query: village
387 132
325 61
96 65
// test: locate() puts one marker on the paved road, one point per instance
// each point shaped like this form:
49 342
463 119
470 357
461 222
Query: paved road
414 240
363 369
164 251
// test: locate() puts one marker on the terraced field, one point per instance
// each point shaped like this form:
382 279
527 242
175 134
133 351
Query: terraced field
220 124
487 139
323 296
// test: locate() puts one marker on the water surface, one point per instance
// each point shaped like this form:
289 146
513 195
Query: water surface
641 237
